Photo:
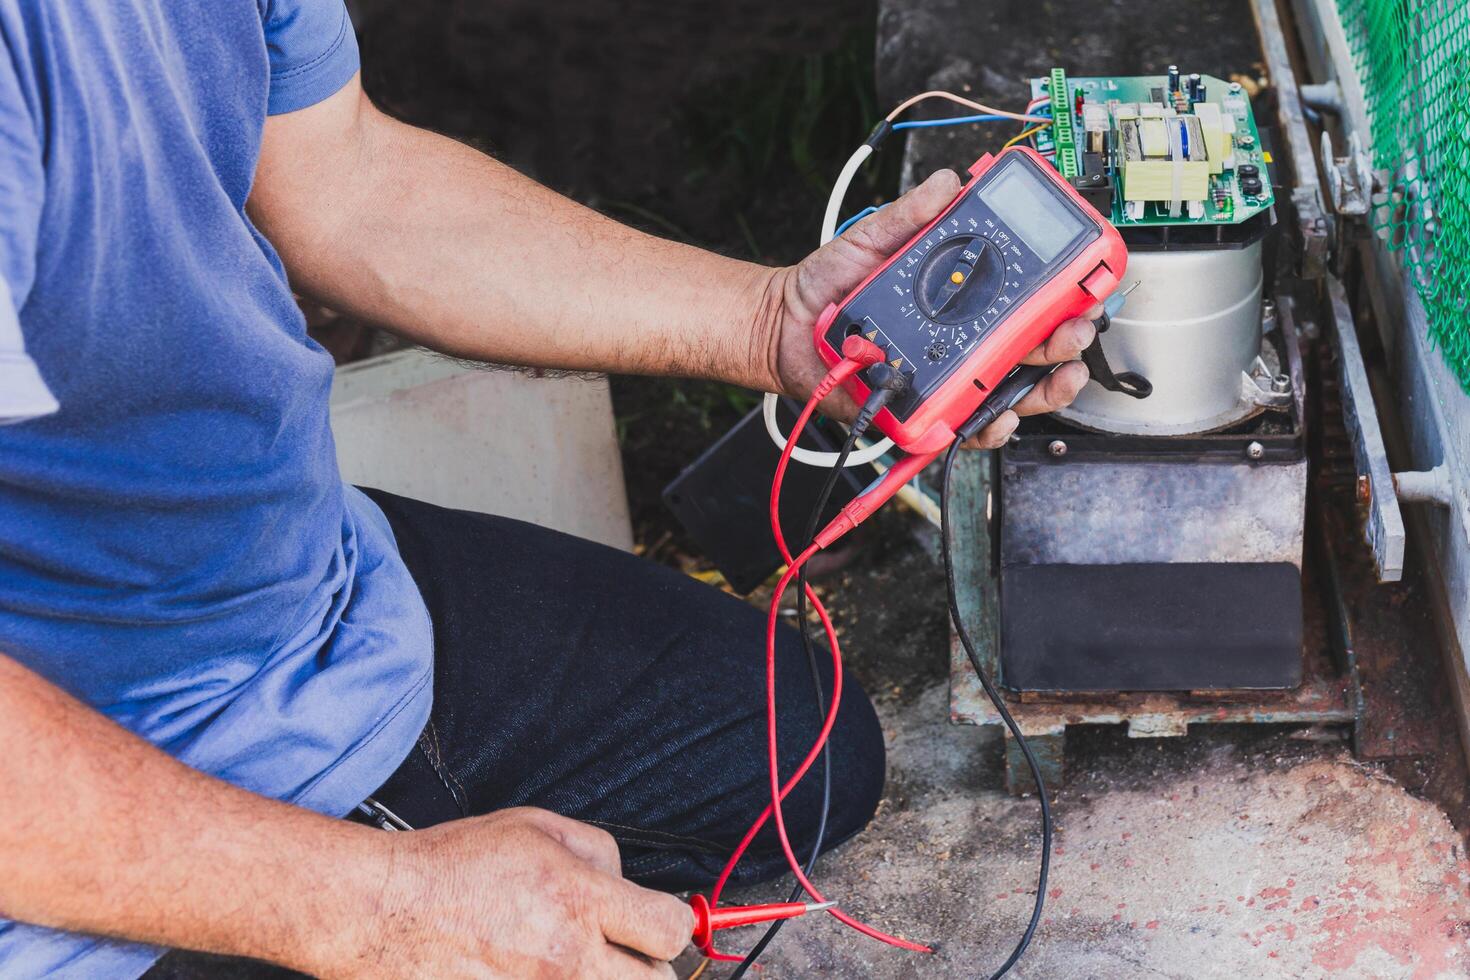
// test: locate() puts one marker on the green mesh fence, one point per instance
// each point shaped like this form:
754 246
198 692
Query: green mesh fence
1413 57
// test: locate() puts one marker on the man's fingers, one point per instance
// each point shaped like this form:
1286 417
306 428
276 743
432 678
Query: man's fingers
657 925
886 232
1066 343
591 844
994 435
620 963
1056 390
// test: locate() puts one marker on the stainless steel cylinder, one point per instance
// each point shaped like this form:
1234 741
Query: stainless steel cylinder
1193 328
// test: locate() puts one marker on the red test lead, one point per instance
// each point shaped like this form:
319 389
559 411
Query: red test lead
953 313
707 920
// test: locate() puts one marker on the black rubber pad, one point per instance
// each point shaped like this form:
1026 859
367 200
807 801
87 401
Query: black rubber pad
1151 627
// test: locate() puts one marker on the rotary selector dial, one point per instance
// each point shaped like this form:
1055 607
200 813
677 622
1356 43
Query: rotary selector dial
959 279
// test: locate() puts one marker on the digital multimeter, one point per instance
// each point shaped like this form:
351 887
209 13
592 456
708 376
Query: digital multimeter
1012 257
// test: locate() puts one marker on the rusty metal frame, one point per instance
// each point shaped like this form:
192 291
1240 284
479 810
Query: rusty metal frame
1427 414
1312 222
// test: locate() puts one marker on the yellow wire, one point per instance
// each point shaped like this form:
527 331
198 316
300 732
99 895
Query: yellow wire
702 967
1022 135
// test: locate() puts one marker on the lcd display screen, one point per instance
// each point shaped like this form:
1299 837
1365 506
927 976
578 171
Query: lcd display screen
1022 200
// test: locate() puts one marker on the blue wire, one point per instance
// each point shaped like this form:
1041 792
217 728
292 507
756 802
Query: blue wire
922 124
952 121
855 219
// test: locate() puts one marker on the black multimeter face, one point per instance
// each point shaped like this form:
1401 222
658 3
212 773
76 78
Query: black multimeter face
954 287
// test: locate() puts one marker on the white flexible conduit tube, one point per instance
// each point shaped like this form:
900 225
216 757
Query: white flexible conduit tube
867 454
839 190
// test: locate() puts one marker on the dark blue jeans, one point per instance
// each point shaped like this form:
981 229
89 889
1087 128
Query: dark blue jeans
584 680
578 678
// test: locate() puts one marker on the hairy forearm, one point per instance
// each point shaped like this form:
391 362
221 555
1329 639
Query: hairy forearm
101 832
458 252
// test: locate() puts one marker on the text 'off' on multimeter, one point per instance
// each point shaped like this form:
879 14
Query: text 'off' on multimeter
1015 254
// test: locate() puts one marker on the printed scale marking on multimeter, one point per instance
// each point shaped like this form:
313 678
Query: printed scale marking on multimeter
1006 237
953 270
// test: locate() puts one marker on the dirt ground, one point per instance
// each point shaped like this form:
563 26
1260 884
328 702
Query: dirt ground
1232 853
1237 851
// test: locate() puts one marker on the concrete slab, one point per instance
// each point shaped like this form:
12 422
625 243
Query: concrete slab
1231 853
537 448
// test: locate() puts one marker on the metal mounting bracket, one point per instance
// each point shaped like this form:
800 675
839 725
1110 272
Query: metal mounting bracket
1350 179
1385 525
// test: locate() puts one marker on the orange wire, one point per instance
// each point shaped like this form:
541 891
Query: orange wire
960 100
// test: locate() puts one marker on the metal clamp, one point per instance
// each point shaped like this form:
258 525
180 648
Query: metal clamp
1350 179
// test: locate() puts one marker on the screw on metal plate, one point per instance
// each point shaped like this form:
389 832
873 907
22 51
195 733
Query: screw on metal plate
1255 450
1057 447
1281 383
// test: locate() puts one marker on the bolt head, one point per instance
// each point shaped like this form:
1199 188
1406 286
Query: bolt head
1057 447
1281 383
1255 450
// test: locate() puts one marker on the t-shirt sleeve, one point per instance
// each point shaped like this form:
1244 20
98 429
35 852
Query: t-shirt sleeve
313 51
23 392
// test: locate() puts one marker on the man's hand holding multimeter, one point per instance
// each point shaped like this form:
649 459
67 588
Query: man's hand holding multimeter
828 275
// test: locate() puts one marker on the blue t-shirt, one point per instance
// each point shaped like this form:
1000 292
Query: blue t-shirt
177 547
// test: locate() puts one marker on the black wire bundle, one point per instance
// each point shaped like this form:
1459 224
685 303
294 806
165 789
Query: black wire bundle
946 547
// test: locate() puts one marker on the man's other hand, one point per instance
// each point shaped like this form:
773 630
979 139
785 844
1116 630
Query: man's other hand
518 893
802 291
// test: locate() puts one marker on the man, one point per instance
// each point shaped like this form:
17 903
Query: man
209 647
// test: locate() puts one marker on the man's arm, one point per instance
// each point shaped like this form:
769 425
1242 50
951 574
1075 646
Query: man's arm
101 832
458 252
453 250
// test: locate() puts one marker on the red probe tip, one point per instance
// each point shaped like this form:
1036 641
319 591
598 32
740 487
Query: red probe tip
707 920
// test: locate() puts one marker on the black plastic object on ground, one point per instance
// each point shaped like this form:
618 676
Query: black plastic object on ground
723 498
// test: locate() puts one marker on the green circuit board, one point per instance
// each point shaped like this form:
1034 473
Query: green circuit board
1068 140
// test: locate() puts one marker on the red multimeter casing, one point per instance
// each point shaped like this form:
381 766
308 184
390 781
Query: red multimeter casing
1015 254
